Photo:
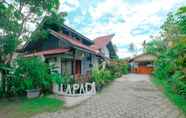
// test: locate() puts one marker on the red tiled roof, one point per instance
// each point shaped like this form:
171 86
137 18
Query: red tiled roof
73 42
48 52
102 41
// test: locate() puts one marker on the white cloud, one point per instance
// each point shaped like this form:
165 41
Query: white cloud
68 5
144 15
124 53
133 15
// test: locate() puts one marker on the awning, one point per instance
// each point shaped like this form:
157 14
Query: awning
48 52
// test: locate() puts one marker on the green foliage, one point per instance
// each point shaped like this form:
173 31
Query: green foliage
181 10
33 73
39 34
25 108
64 79
178 100
115 69
54 21
124 69
30 73
56 78
14 17
38 6
178 84
10 27
9 17
41 104
155 47
169 61
67 79
101 77
171 52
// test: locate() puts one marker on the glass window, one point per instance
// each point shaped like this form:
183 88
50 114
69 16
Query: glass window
66 67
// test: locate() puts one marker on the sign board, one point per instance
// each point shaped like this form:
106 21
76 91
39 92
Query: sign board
87 89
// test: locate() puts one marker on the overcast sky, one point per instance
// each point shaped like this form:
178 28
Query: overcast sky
132 21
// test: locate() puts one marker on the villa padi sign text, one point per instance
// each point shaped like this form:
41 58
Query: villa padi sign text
88 89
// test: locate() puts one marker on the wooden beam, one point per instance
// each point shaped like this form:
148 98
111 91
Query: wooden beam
74 62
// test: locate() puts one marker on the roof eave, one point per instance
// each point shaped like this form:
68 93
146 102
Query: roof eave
82 36
77 47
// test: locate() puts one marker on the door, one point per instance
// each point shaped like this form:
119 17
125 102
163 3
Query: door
145 70
78 67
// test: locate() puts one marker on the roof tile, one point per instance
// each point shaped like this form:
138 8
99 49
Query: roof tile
73 42
102 41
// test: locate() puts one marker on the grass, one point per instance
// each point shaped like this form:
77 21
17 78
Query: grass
179 101
25 108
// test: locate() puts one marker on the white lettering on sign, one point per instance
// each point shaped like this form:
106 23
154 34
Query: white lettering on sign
76 89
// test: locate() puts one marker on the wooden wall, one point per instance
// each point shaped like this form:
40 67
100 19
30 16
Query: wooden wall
143 70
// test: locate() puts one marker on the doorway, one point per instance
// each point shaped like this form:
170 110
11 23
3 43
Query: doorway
78 67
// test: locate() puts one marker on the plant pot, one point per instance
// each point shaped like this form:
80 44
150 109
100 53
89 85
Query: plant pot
33 93
99 87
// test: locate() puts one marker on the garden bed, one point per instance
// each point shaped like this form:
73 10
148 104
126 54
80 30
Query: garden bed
25 108
179 101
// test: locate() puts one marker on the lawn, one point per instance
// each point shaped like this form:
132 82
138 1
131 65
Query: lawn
179 101
25 108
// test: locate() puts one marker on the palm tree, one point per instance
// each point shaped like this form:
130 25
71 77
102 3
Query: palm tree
132 48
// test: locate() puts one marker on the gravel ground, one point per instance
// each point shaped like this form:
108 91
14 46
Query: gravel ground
131 96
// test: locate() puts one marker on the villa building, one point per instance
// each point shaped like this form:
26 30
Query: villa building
70 52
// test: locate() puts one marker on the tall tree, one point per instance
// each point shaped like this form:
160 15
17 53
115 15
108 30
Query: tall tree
155 47
170 49
132 48
16 17
174 28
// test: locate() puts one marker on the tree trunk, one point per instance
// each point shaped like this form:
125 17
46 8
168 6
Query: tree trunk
3 83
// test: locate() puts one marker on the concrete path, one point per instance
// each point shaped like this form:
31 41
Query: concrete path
132 96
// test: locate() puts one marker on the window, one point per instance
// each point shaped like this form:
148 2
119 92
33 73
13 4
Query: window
66 67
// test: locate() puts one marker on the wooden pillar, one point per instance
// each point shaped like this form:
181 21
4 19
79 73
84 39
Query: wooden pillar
74 63
91 62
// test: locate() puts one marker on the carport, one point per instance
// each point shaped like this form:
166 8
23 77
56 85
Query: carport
142 64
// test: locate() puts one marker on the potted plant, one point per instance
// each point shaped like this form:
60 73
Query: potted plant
33 73
32 90
33 93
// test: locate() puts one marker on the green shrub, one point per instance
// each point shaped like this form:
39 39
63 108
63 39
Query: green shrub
171 62
178 85
101 77
67 79
124 68
63 79
178 100
115 69
33 73
169 67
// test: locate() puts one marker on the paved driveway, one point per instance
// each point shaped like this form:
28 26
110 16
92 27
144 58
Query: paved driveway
132 96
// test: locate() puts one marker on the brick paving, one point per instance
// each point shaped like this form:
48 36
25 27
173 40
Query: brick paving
132 96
